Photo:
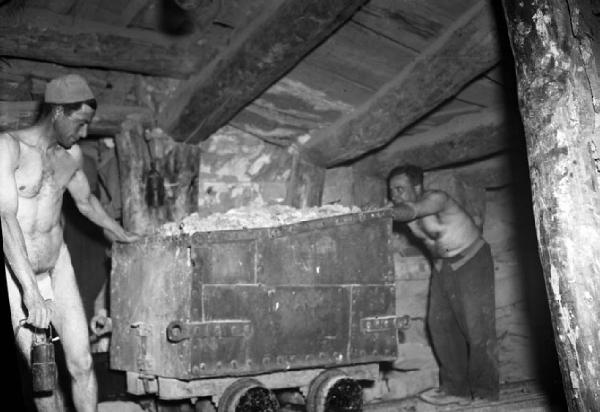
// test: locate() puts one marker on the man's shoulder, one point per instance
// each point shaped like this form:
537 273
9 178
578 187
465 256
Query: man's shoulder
436 194
9 144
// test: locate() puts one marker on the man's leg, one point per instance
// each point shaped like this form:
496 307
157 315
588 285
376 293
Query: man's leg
70 323
477 286
24 339
449 343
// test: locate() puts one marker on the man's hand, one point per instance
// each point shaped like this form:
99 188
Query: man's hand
121 235
39 311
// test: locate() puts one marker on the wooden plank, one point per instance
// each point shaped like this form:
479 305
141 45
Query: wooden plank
490 173
133 8
108 86
464 138
469 47
484 92
412 23
106 122
557 85
41 35
361 56
269 47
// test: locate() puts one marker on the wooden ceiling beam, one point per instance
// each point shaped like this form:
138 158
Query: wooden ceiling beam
42 35
106 122
462 139
263 52
469 47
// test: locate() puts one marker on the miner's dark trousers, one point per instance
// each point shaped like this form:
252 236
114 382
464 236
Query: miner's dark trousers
462 325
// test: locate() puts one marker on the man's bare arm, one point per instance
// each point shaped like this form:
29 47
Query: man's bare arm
15 252
91 207
431 203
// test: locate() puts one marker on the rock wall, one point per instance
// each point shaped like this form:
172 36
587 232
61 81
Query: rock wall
238 169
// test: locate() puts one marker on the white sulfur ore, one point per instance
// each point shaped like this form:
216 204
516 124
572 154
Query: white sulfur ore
251 218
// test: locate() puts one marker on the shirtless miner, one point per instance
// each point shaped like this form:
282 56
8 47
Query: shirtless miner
461 316
37 164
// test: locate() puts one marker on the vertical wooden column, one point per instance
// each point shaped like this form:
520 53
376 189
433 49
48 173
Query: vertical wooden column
556 81
175 193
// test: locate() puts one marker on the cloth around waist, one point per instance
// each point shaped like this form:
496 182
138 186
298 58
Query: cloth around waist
463 257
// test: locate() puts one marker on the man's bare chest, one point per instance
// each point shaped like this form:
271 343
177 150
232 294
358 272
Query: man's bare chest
43 173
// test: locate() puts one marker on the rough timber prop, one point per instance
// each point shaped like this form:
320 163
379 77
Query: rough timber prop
557 84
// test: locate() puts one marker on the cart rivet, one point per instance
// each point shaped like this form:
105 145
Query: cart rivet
249 363
195 370
280 359
307 358
234 364
266 360
322 355
219 365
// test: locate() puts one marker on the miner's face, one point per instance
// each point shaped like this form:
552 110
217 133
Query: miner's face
402 190
74 126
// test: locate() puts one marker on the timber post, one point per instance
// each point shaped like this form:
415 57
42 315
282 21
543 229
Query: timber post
556 85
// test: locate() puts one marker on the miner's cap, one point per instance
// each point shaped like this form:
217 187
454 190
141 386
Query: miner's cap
70 88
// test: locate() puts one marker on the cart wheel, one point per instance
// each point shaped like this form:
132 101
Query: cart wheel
334 391
248 395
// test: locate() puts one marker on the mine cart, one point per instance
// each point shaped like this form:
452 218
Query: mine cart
238 313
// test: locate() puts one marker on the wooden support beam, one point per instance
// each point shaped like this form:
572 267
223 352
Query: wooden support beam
46 36
159 178
265 51
107 120
557 80
468 48
464 138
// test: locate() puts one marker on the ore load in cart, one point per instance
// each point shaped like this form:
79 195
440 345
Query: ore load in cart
233 314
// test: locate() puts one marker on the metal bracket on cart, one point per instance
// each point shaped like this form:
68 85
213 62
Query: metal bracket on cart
144 360
383 323
178 331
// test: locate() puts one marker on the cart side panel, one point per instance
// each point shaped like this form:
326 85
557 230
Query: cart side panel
290 327
225 262
374 335
150 286
355 252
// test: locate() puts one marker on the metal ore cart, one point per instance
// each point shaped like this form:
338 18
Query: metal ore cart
229 314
